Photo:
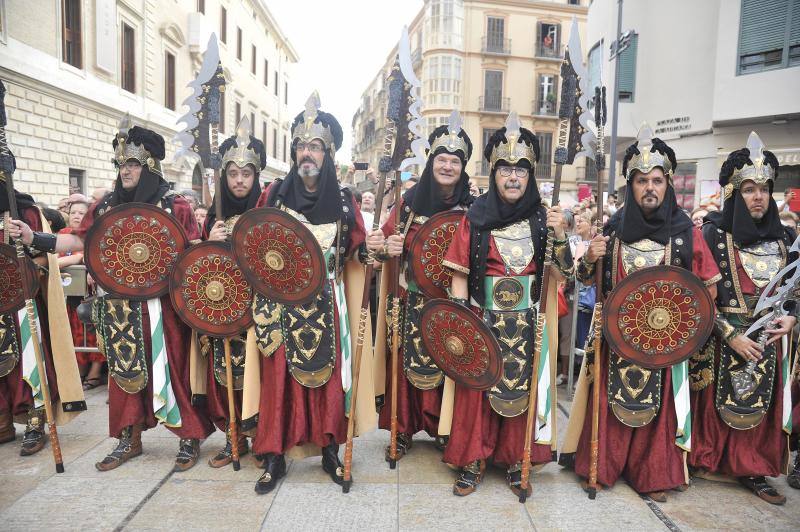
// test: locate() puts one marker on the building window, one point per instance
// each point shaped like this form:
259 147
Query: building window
594 66
546 92
548 40
253 61
683 181
487 134
276 83
284 147
128 58
71 33
239 44
492 91
495 42
286 93
443 81
169 81
264 134
201 6
626 61
237 114
223 24
543 167
266 73
77 181
765 42
274 143
445 26
253 122
197 180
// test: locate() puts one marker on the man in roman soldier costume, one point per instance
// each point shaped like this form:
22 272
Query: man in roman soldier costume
123 326
740 384
243 157
443 186
638 417
305 370
497 257
17 365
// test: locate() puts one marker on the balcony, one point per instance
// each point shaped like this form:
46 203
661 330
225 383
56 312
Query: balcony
494 104
544 107
543 171
496 46
549 52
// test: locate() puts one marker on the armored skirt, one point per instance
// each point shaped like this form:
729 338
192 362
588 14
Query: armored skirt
647 457
478 431
417 409
125 409
15 394
719 448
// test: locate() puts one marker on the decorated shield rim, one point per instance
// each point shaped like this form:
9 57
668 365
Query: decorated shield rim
496 371
16 304
437 220
613 306
102 222
259 217
203 326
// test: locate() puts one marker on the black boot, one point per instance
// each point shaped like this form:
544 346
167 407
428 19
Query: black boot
33 441
793 479
275 469
331 464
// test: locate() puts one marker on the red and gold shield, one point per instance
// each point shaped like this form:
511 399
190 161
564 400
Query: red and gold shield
209 290
278 255
427 251
657 317
461 344
18 279
131 249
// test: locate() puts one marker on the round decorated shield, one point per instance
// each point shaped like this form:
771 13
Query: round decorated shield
131 249
14 290
278 255
461 344
427 251
209 290
657 317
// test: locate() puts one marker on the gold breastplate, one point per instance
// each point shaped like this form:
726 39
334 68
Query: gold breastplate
324 234
515 245
642 254
761 262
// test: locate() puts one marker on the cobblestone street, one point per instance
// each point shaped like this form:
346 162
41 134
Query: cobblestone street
145 495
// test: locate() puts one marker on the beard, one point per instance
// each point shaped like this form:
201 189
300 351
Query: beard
308 171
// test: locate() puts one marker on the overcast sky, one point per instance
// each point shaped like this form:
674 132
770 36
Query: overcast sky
341 45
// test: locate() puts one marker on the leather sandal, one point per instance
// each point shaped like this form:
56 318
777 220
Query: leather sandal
275 469
225 455
404 444
514 479
129 446
188 450
441 442
657 496
470 478
760 487
33 441
793 478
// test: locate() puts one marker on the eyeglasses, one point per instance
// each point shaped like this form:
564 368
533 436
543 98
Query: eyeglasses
506 171
129 165
313 147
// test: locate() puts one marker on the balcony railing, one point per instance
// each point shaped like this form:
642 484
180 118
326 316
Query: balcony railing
494 104
495 45
544 108
549 52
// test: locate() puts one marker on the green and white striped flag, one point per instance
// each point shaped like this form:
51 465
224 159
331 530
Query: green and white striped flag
787 386
344 344
544 393
683 407
165 406
30 371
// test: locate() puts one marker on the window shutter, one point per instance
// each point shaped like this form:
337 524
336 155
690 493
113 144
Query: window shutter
760 30
794 32
627 67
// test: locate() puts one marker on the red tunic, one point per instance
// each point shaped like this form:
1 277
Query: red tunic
646 457
478 432
416 409
15 394
126 409
719 448
289 413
